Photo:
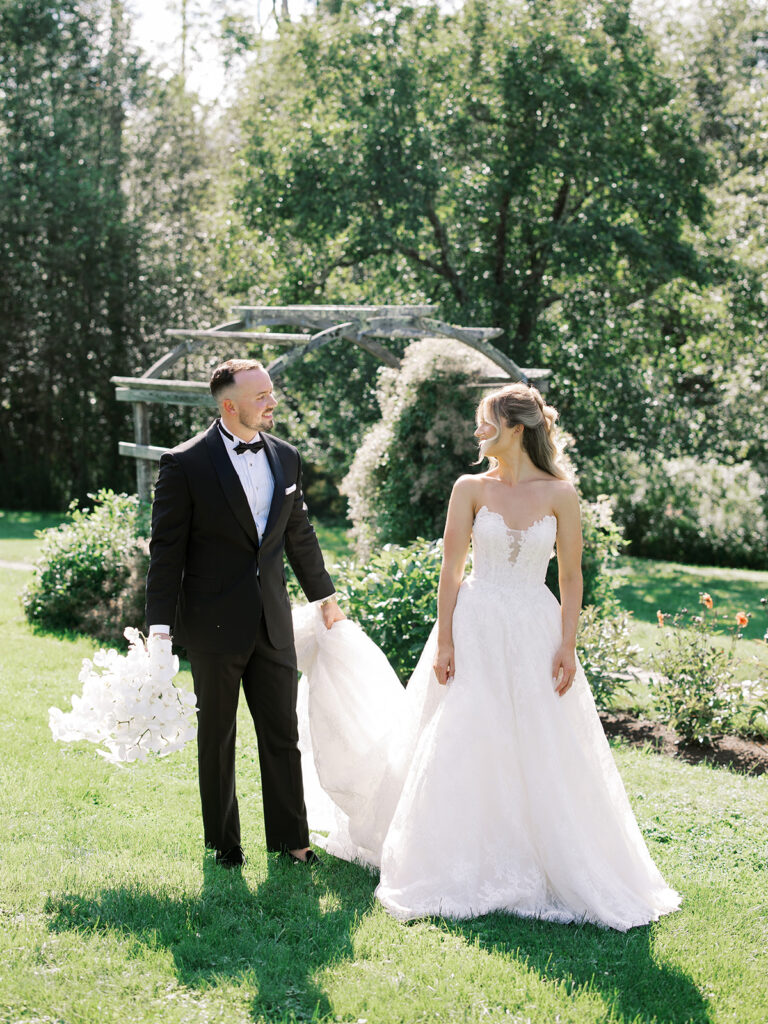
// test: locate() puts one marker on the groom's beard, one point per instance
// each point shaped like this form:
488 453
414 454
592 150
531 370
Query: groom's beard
260 425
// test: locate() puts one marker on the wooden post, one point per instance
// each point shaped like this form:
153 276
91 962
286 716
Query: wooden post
144 468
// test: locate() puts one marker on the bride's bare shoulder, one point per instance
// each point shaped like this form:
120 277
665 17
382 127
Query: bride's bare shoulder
565 497
564 487
467 487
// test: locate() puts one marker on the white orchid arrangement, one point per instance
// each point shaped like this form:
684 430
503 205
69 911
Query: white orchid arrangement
131 706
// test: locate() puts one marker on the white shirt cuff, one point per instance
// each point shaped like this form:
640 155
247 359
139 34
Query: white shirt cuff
159 629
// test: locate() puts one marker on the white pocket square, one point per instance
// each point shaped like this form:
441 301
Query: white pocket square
291 489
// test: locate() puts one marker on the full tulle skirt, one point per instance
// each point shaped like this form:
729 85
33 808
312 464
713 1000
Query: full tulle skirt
490 793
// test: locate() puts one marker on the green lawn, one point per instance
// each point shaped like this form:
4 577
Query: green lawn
17 533
647 586
110 911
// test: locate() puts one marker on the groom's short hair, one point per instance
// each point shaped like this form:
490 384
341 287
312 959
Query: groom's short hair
224 374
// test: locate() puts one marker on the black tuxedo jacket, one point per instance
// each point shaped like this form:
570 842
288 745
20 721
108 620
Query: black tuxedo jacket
208 576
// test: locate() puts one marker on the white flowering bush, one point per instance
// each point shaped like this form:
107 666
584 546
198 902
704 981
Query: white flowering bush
400 480
401 477
129 703
687 509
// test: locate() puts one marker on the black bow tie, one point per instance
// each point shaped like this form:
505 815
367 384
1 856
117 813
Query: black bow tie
254 446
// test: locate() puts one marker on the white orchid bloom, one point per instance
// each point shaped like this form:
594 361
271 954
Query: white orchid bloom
131 706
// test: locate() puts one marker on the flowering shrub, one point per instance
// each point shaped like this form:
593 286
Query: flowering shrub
393 596
606 653
696 691
132 706
687 509
400 480
91 571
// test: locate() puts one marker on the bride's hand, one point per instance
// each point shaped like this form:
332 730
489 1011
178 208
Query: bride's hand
443 665
564 669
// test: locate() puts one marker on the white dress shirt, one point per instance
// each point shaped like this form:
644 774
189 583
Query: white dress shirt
256 477
258 483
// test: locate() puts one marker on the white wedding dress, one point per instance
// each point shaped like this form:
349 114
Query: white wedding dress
491 793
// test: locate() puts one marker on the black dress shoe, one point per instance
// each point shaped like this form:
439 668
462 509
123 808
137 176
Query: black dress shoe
231 858
312 857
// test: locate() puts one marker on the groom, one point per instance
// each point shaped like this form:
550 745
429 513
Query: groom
227 504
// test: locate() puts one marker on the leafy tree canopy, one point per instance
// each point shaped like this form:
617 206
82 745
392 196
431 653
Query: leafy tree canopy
495 160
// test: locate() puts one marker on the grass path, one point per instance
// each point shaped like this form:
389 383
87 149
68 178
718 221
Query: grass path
109 911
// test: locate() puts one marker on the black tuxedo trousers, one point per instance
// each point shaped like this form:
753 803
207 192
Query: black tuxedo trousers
269 681
225 595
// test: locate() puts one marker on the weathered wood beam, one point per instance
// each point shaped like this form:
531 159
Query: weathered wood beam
379 351
185 348
538 377
417 326
141 433
496 356
165 392
150 452
279 365
468 334
275 336
348 332
162 398
163 384
474 337
321 317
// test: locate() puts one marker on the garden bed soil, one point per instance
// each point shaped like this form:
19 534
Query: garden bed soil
749 756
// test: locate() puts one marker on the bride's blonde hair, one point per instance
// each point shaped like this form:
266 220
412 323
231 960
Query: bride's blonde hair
519 403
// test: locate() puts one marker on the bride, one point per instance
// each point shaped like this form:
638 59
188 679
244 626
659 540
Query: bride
487 784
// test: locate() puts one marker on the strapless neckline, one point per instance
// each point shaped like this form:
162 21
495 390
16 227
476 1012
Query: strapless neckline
512 529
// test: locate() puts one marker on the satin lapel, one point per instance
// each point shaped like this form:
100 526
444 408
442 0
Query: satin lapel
278 495
230 482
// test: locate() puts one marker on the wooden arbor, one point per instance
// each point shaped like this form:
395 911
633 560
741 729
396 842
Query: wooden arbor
313 327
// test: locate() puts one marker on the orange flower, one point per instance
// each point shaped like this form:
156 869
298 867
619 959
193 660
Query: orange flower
660 618
742 620
707 601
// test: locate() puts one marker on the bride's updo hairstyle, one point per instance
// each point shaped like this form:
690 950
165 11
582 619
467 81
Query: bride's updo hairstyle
519 403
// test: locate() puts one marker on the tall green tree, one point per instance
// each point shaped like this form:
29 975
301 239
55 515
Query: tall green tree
491 161
94 258
64 244
683 370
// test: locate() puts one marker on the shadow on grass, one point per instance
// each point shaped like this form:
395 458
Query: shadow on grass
272 938
619 966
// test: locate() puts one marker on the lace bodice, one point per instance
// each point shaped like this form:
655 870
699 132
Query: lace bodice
508 557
